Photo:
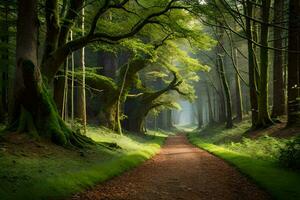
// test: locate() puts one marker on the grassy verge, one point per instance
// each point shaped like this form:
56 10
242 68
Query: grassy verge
255 158
44 171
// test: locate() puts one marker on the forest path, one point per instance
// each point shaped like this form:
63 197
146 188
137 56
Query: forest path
179 172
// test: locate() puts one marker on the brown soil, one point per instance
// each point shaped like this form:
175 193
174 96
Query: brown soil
179 172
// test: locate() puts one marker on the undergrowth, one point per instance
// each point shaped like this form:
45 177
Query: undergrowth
38 170
257 158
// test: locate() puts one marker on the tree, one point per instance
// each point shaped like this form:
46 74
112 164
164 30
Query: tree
34 111
264 119
293 64
81 90
43 117
238 91
279 105
229 123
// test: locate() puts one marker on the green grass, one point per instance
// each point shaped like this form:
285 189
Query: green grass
56 173
255 158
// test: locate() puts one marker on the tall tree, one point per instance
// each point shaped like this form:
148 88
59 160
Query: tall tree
229 123
279 106
264 119
252 62
293 64
238 90
81 89
4 58
33 110
211 120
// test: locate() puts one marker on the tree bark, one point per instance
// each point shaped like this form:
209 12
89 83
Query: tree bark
279 105
238 92
211 120
264 119
4 64
81 89
33 110
293 65
252 64
229 123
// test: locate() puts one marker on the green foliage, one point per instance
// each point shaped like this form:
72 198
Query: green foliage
264 147
261 166
52 172
290 154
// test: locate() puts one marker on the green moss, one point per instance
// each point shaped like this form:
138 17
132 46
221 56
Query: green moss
59 173
258 158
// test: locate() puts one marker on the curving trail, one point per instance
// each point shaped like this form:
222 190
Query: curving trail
179 172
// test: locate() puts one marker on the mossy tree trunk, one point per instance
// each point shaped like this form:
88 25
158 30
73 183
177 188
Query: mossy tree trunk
229 123
264 119
137 108
34 111
293 65
252 62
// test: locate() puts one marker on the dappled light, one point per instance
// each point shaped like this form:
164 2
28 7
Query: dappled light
149 99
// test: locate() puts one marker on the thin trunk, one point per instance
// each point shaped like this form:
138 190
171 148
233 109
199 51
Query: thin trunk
210 111
294 64
169 119
72 82
238 91
81 92
199 112
229 123
278 66
64 113
118 126
252 64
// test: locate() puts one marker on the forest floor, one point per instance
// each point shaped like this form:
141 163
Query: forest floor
255 154
179 171
35 169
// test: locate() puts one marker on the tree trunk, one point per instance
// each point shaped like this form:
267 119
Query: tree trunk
238 92
264 119
222 100
278 66
210 111
229 123
81 89
199 107
169 119
58 90
34 111
4 64
293 64
252 64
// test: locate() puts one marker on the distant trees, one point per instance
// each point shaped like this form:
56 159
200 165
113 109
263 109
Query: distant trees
253 22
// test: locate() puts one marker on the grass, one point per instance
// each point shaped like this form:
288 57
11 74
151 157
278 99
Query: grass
42 171
257 158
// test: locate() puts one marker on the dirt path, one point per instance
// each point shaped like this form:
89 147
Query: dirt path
179 172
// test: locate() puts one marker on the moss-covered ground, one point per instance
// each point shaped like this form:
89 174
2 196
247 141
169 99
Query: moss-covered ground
33 169
256 157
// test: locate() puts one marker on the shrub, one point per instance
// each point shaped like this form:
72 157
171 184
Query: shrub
290 154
